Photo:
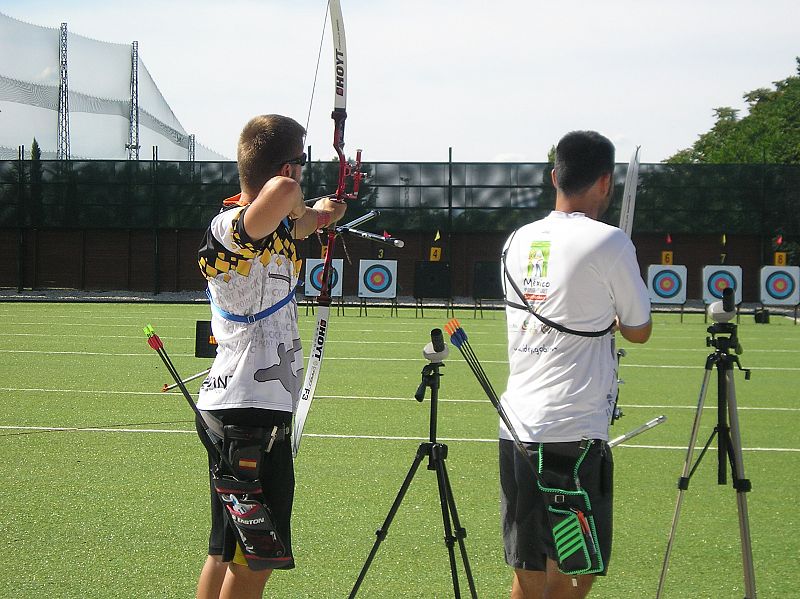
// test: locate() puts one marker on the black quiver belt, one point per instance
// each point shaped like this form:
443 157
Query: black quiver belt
242 496
569 511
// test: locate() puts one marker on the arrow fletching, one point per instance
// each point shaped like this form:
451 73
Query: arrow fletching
152 339
457 335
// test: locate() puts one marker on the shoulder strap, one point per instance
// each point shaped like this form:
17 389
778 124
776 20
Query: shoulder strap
526 306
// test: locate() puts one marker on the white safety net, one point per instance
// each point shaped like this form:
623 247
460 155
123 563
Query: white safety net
99 83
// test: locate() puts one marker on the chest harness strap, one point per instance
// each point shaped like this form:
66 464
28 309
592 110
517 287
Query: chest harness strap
528 308
250 318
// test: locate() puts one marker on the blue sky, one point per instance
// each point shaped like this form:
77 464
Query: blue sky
499 80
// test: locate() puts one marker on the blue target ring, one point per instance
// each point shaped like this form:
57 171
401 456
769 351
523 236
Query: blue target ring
667 284
316 277
780 285
377 278
718 281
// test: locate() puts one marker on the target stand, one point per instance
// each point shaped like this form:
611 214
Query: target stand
377 280
718 277
363 304
432 281
310 305
486 285
667 285
780 287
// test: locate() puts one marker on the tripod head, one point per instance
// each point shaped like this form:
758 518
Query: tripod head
434 352
724 333
724 338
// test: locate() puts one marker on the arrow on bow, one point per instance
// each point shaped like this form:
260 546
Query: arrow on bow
346 171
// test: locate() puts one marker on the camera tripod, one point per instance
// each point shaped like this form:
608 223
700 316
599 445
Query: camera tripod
436 453
723 339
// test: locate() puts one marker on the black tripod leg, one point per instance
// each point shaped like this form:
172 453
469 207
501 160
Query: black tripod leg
449 540
381 533
460 532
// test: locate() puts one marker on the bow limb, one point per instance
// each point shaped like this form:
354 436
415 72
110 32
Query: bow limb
626 224
339 115
629 194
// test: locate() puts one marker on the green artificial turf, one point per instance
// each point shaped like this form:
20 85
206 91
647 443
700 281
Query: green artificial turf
116 506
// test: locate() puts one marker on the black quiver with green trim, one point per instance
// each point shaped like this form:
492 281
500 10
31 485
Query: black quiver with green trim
569 510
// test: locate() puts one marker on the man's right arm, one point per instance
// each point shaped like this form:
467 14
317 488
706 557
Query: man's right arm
325 212
631 298
636 334
279 198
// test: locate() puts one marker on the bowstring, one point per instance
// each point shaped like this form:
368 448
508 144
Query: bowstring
319 58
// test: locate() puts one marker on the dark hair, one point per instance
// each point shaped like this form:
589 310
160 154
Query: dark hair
582 157
266 143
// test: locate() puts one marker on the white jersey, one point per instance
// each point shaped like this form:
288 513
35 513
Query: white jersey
258 365
579 273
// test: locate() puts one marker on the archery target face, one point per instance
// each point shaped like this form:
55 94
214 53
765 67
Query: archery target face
779 285
313 281
717 278
377 278
667 284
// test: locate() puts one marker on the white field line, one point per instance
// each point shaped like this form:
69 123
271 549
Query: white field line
333 341
645 349
175 394
306 328
370 359
333 436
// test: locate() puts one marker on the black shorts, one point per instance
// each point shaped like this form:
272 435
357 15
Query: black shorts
526 532
276 476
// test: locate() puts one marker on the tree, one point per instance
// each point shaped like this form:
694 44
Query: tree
36 151
770 132
36 184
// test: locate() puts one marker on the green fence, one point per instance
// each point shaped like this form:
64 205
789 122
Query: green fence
450 197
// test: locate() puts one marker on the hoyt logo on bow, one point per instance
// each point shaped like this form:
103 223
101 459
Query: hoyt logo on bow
340 72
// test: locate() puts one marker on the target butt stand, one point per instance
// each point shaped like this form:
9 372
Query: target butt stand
435 352
724 339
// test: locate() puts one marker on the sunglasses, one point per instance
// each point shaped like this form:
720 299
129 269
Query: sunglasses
301 160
